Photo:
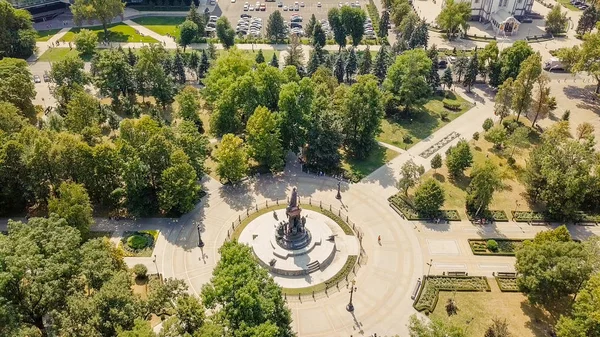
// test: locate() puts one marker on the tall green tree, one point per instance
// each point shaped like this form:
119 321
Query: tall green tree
337 25
17 33
380 67
72 203
433 78
587 21
204 64
353 20
429 197
274 62
409 176
295 100
512 57
584 321
86 41
543 103
365 63
459 158
485 180
188 101
503 100
338 68
260 58
179 185
407 78
454 16
310 25
69 77
276 27
471 74
225 33
113 74
264 140
531 69
351 65
16 86
232 157
447 79
195 17
188 31
585 58
419 36
247 300
324 137
362 113
82 112
384 22
101 10
318 36
556 20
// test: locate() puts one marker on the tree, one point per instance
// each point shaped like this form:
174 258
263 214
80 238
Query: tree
429 197
264 140
310 25
362 112
512 57
73 205
585 130
113 74
260 58
338 70
487 58
225 33
365 64
447 78
179 187
274 62
69 77
410 174
495 73
556 21
100 261
503 100
531 69
353 20
179 68
151 76
232 158
587 20
314 62
551 270
319 38
204 64
16 86
407 78
471 74
499 328
18 38
338 27
461 65
351 65
453 16
584 320
82 112
276 29
100 10
496 135
381 64
419 36
485 180
141 328
295 55
543 103
245 296
193 62
324 137
198 19
85 42
190 313
459 158
585 57
436 328
433 78
188 31
295 100
384 23
519 138
436 161
188 101
408 25
37 274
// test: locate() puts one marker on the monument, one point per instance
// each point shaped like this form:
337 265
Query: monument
293 233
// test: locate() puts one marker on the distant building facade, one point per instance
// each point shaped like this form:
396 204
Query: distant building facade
502 15
42 9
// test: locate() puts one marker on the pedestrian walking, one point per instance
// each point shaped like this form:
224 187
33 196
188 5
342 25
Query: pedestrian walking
379 239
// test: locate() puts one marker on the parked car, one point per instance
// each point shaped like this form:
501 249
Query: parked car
319 4
245 16
553 64
211 25
442 64
302 4
251 8
296 19
37 79
295 25
213 18
246 7
46 78
280 4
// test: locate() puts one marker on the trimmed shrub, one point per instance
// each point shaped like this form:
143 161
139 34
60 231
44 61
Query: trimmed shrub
137 242
443 115
451 104
140 271
511 161
487 124
492 245
476 136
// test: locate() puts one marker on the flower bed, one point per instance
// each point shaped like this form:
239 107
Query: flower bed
427 298
506 247
526 216
507 284
400 205
495 215
139 243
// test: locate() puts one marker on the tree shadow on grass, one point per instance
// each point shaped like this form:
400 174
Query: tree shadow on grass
361 168
419 125
462 181
541 321
439 177
113 36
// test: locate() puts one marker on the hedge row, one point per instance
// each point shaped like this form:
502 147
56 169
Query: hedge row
403 207
428 295
506 247
451 104
496 215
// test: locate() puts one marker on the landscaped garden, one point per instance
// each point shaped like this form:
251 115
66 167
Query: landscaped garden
162 25
355 170
45 35
139 243
117 32
404 133
427 298
501 247
405 206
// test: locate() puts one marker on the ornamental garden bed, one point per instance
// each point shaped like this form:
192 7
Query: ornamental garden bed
406 209
498 247
507 284
495 215
527 216
427 298
139 243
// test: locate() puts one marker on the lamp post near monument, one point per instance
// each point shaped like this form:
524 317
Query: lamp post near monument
350 306
339 195
200 242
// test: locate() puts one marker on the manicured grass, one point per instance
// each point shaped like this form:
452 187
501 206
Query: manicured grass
268 54
567 4
45 35
506 199
118 32
424 123
146 252
162 25
57 54
356 169
477 309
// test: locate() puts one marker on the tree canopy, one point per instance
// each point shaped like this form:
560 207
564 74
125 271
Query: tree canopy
17 36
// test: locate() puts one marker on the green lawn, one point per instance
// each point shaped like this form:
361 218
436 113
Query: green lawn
421 125
567 4
358 169
118 32
45 35
162 25
57 54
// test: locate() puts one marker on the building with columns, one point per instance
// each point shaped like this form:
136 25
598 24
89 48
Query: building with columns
502 15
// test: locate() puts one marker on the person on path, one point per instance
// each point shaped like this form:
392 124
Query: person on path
379 239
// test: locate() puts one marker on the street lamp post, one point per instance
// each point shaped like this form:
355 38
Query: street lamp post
429 264
339 195
350 306
200 242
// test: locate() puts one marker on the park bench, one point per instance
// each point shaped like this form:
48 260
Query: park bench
457 273
506 274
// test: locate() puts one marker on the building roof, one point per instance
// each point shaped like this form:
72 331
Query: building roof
502 16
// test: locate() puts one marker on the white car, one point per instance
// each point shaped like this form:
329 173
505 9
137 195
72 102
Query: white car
319 4
213 18
251 8
285 8
246 7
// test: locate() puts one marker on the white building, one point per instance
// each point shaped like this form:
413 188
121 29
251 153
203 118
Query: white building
502 15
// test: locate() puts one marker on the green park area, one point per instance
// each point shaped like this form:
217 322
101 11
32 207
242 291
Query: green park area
162 25
405 132
45 35
117 32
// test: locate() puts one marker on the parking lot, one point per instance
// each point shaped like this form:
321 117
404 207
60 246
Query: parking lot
233 10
